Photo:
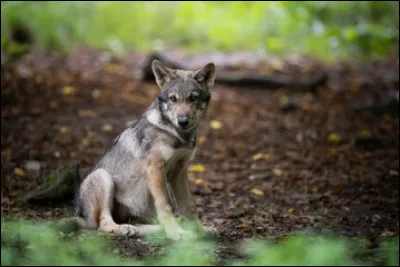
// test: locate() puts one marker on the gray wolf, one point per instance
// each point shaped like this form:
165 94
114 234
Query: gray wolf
140 182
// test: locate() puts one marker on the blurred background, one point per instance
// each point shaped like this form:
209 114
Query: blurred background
327 29
302 131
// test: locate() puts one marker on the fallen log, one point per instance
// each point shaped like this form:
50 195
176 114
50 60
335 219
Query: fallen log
243 78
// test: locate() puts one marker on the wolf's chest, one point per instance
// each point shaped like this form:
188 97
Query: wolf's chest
178 158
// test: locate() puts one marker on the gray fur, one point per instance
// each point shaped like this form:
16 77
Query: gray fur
119 181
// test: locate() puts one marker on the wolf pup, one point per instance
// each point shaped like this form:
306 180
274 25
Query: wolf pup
143 174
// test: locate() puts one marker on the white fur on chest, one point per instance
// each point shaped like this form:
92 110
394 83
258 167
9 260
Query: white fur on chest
172 156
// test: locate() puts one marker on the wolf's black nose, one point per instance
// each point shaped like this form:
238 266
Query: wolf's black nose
183 121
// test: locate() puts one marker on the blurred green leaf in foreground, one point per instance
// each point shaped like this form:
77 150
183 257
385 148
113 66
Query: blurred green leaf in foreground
42 243
329 30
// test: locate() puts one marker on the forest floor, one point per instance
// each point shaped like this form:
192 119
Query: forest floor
275 161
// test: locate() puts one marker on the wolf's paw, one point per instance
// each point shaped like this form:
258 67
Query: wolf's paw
211 231
127 230
121 230
178 233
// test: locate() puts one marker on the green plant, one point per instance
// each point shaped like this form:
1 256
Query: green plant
45 243
41 243
329 30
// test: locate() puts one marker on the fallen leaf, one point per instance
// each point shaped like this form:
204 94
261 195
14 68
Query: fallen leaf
277 172
91 134
19 172
290 210
114 68
68 90
333 137
65 129
197 168
261 156
314 189
257 156
244 226
129 123
284 99
202 139
257 192
198 181
216 124
107 127
365 134
85 141
86 113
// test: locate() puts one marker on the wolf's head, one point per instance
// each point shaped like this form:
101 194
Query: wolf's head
185 94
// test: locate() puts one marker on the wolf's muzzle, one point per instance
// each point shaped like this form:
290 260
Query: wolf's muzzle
183 121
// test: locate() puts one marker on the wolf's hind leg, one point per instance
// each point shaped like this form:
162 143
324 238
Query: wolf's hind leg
96 196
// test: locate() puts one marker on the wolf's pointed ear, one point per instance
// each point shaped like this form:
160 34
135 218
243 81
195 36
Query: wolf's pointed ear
206 75
162 74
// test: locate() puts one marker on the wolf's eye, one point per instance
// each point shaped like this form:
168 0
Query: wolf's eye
193 98
172 98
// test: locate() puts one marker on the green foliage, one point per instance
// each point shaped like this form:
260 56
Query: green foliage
195 252
390 252
300 250
55 25
45 243
27 243
367 29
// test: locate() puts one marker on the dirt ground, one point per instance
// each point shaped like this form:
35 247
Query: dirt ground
275 161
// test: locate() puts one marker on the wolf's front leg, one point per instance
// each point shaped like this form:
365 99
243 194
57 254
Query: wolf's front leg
158 188
186 201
